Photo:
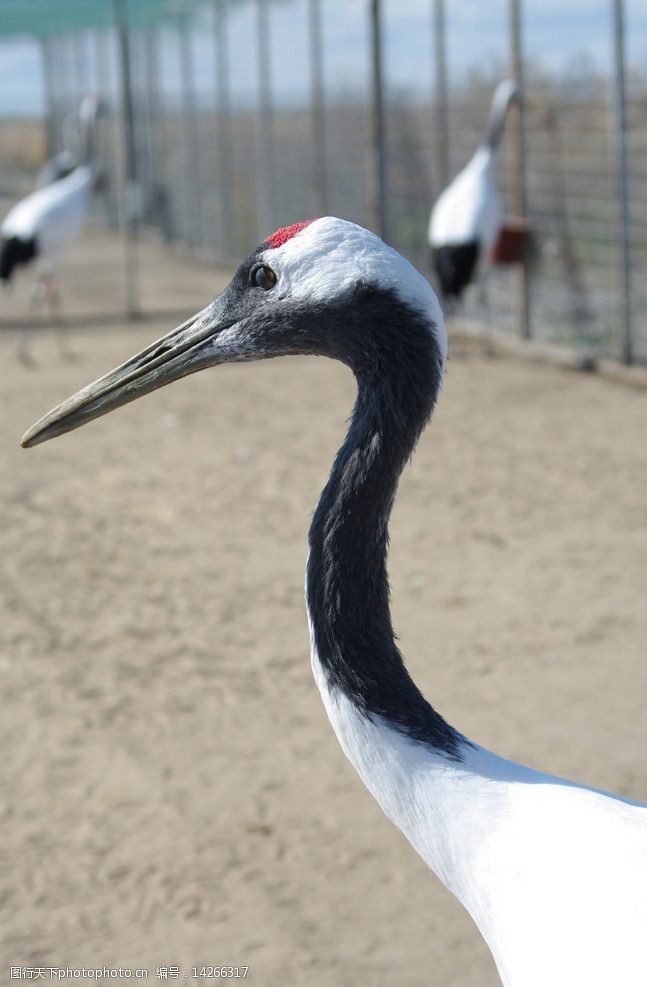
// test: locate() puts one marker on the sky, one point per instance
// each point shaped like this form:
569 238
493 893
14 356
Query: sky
556 34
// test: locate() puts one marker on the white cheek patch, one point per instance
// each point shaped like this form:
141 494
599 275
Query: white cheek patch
329 256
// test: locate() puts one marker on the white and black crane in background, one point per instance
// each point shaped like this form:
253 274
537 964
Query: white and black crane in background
38 230
467 217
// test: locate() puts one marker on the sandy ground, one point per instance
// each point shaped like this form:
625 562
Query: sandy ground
172 790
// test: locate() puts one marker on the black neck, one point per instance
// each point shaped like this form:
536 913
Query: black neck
347 585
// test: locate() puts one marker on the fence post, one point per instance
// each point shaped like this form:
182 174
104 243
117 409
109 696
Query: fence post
519 159
79 57
318 110
191 157
150 71
127 189
50 97
378 126
101 39
265 156
109 161
223 132
442 115
620 140
63 75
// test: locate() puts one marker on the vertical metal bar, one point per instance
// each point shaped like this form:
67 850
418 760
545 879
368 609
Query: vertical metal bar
50 98
127 191
63 77
101 39
192 191
135 89
109 160
378 134
156 153
80 63
65 101
265 161
165 204
91 59
72 73
53 95
620 140
519 159
145 157
223 127
146 178
318 109
441 104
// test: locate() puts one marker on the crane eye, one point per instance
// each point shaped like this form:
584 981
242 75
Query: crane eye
263 277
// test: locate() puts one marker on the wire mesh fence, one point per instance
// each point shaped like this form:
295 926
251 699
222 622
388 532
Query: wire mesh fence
250 115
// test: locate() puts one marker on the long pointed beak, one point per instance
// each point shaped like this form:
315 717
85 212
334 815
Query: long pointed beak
183 351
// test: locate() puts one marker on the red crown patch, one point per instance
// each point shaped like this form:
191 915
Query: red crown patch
286 233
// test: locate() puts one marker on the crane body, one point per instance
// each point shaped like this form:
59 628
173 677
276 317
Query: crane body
41 227
553 873
466 219
50 218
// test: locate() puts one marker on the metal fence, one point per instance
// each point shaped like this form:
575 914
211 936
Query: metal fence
197 156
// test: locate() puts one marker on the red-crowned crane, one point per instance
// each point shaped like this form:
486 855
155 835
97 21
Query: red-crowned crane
42 226
553 873
467 217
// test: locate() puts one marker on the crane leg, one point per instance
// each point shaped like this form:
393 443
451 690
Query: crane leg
484 302
53 295
484 297
44 291
36 297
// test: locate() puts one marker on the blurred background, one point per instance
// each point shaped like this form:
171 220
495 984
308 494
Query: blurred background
171 793
225 120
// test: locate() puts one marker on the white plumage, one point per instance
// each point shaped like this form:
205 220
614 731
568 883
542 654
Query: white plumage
470 208
42 226
467 217
554 874
52 216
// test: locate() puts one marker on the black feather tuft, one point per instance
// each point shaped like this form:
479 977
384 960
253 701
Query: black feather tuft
14 252
455 266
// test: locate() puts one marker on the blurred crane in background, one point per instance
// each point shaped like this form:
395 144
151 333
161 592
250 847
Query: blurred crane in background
467 218
42 226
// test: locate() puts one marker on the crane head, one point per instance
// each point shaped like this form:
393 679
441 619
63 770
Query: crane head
325 287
